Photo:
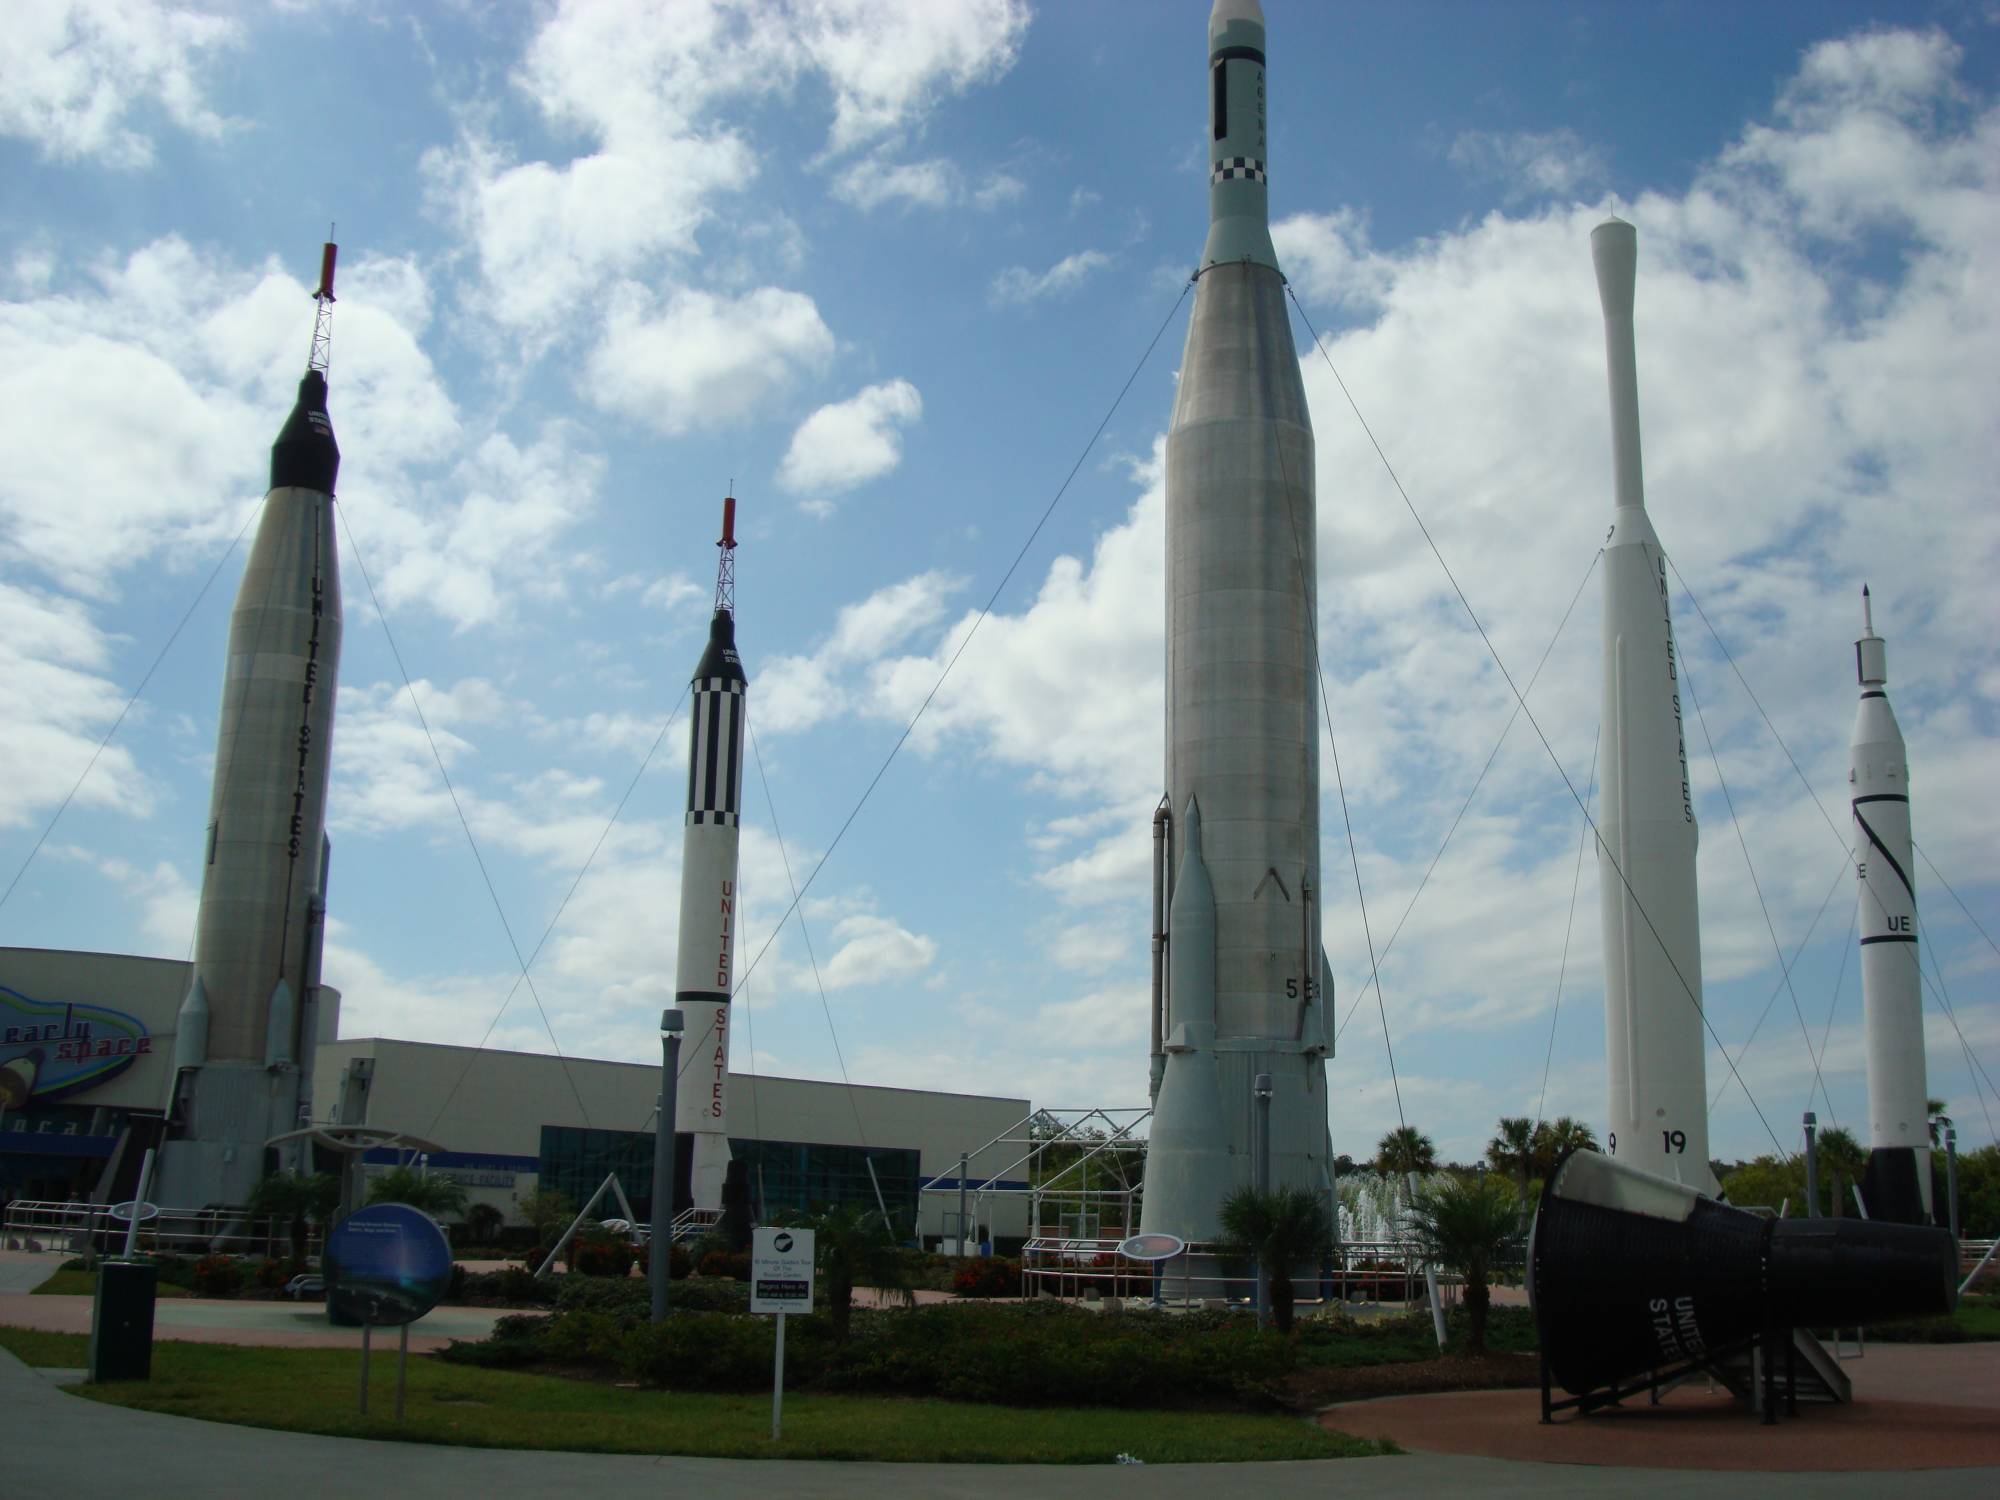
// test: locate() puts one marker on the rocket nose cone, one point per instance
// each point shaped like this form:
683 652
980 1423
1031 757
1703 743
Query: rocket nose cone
1614 251
305 455
1226 11
720 658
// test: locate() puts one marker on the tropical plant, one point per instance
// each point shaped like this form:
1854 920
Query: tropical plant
1940 1122
1769 1183
1464 1227
549 1210
1555 1139
434 1193
483 1223
1404 1150
1278 1230
1513 1150
295 1199
853 1245
1841 1161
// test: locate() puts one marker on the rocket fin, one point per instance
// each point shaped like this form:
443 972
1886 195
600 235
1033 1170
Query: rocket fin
191 1028
279 1029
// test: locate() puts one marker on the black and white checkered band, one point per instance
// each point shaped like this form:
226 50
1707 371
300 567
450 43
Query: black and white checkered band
1238 167
712 819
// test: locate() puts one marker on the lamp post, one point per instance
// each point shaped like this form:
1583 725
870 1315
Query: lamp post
661 1246
1951 1181
1812 1165
1262 1168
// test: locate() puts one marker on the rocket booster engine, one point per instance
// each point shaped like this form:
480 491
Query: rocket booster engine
705 963
242 1060
1897 1184
1657 1114
1248 991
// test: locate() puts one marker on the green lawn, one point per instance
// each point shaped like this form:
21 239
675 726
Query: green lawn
84 1284
314 1390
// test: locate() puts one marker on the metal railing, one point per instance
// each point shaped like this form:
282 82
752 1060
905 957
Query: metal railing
1085 1269
78 1228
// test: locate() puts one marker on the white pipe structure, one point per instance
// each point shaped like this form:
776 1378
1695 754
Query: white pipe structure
1657 1111
705 961
1898 1179
1245 971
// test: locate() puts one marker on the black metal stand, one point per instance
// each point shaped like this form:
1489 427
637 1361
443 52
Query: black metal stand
1652 1380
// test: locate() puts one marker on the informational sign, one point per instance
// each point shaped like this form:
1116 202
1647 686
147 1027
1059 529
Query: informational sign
386 1264
49 1048
1152 1247
781 1270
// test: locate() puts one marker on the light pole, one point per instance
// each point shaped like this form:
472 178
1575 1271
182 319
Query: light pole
1951 1181
1262 1122
1812 1165
661 1245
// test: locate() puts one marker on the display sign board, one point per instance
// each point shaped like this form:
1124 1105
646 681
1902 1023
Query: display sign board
1152 1247
385 1264
781 1270
50 1048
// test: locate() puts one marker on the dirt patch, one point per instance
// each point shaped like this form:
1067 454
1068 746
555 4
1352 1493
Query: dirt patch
1309 1390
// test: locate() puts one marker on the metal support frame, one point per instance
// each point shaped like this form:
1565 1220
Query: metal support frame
617 1190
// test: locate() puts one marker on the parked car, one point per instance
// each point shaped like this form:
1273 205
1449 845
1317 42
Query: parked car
299 1288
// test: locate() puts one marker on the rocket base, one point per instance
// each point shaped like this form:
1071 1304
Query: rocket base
231 1109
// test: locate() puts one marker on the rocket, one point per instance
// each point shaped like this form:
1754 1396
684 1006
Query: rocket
1897 1183
704 965
1657 1115
1247 980
243 1041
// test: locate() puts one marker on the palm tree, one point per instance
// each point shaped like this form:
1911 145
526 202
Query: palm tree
1463 1226
1940 1122
434 1193
1843 1161
1278 1230
1513 1150
295 1198
1555 1139
853 1245
1404 1150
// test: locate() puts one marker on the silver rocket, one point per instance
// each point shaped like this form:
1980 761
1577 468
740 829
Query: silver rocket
1247 978
705 961
1897 1184
1657 1114
243 1043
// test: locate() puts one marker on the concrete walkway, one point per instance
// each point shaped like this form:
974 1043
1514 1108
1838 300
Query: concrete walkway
65 1445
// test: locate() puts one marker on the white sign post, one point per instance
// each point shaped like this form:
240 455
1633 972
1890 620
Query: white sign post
781 1281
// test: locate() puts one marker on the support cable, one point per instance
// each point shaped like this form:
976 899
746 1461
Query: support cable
985 610
1956 897
1687 989
1977 1068
464 823
1777 948
117 723
1575 884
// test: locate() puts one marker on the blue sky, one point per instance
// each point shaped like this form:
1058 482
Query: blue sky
883 267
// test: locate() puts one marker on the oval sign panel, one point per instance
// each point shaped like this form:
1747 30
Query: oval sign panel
386 1264
1152 1247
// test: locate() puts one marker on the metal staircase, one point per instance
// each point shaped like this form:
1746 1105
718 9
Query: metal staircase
1811 1374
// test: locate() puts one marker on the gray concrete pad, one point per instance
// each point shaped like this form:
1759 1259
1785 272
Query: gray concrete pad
65 1445
22 1271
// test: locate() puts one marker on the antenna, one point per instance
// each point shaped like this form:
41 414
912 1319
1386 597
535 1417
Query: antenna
725 570
321 354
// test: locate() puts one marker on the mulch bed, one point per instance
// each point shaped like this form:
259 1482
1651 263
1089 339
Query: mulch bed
1309 1390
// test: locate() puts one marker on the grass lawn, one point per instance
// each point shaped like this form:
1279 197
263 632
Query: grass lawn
314 1390
84 1284
59 1351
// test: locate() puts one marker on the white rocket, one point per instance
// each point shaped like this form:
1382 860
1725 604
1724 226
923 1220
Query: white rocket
705 964
1247 976
242 1061
1898 1181
1657 1117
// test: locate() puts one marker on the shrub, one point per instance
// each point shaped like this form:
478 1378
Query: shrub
509 1286
273 1272
733 1265
217 1276
991 1276
603 1257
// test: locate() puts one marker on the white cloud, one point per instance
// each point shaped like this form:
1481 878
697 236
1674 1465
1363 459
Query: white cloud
872 182
875 951
850 442
75 73
701 360
1531 164
997 191
890 61
1019 284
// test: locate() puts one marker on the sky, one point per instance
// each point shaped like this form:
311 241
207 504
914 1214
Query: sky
881 268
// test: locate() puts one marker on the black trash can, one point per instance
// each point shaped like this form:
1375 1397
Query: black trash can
121 1324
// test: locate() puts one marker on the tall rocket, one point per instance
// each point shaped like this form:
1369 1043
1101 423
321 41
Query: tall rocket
1247 978
705 964
1654 1051
243 1043
1897 1184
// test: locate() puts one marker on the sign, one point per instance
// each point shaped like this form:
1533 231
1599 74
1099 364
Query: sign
781 1270
49 1048
386 1264
126 1212
1152 1247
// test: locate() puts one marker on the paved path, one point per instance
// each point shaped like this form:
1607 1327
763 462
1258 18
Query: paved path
292 1325
65 1445
21 1272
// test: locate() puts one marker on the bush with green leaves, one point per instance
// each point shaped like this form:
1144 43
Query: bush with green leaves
988 1276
